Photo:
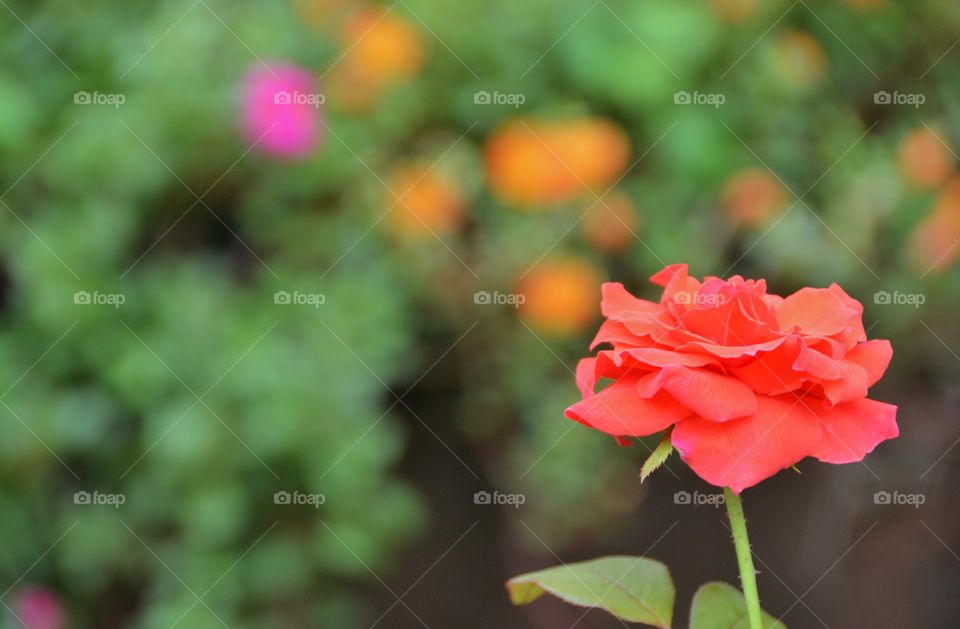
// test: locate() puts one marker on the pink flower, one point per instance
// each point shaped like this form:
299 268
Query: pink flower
281 110
40 608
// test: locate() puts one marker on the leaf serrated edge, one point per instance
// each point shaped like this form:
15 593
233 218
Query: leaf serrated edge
658 457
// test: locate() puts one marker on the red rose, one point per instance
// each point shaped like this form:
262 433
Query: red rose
751 382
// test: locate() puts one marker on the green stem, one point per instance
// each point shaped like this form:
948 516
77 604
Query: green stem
748 575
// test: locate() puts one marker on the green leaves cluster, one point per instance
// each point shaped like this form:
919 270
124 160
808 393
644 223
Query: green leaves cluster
635 589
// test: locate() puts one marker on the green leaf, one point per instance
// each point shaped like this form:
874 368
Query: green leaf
718 605
636 589
658 457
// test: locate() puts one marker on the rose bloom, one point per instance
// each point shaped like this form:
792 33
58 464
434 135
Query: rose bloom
750 382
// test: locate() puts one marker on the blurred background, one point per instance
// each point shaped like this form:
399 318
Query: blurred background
291 292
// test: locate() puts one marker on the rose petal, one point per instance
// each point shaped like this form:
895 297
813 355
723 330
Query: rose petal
674 279
649 385
617 303
853 430
709 394
590 370
742 452
618 410
731 318
658 357
826 345
772 372
733 351
819 366
615 333
819 311
587 376
855 332
663 277
841 380
874 357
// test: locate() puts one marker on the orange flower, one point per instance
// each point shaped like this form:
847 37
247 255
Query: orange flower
557 295
734 11
537 165
610 224
380 49
383 45
923 159
596 150
520 167
800 59
429 202
752 195
935 241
